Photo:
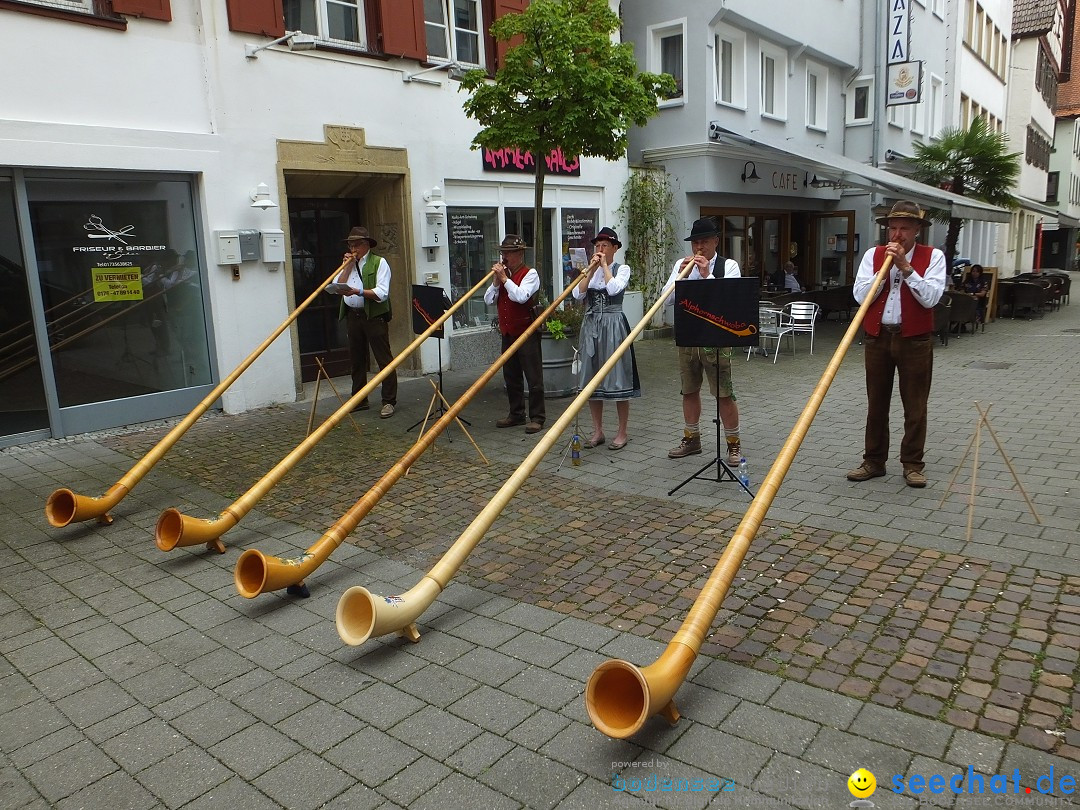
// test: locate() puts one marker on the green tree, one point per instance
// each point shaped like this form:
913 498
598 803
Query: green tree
972 163
564 85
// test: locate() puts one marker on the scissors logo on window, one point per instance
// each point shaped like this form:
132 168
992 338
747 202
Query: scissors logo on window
99 231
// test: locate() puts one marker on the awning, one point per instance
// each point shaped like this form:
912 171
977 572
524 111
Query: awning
850 172
1040 208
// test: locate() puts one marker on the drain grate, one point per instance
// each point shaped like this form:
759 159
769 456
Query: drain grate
989 364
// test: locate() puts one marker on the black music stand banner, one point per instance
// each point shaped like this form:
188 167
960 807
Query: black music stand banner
716 312
428 305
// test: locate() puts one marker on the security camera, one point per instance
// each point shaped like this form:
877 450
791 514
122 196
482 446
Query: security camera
890 155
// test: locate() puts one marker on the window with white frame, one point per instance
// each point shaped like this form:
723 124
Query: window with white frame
919 116
817 95
938 7
730 53
937 120
860 101
453 30
897 116
667 55
773 76
338 21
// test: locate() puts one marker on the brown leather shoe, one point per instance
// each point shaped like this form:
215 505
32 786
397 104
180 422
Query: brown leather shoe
534 427
689 446
865 471
510 421
914 478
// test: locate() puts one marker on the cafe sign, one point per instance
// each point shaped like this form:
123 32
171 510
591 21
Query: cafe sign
518 160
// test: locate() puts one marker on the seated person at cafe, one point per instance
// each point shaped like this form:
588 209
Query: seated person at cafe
791 281
776 279
977 284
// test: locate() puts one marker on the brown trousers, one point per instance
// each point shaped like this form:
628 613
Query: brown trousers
373 332
912 359
527 363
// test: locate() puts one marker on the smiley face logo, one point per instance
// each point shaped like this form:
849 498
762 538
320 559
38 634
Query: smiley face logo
862 784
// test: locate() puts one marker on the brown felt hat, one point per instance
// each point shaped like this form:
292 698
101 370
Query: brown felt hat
512 242
905 209
360 233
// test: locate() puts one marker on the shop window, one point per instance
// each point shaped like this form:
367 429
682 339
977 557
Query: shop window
121 285
76 6
730 53
473 235
453 30
339 22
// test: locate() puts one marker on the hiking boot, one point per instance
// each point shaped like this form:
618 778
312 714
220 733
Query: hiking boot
914 478
510 421
865 471
689 446
534 427
734 453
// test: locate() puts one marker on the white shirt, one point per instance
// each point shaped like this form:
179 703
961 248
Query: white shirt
518 293
927 288
619 279
382 282
731 270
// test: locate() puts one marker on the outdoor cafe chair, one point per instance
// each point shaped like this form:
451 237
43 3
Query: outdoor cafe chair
773 325
803 315
943 319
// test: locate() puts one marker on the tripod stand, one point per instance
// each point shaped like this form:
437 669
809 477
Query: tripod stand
437 407
723 471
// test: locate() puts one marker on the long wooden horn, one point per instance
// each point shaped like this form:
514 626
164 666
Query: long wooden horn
65 506
175 529
362 615
619 696
257 573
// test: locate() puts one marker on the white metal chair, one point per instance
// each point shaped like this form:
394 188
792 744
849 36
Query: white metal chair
773 324
803 315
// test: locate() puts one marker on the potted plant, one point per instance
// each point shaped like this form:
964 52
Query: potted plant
557 345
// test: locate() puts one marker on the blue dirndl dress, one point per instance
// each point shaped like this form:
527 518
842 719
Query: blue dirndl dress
602 330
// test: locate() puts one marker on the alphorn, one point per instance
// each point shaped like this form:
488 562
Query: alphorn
175 529
257 573
64 506
362 615
619 696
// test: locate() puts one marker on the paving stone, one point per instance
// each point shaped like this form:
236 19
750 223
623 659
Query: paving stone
408 785
437 685
322 726
233 793
846 753
458 791
492 710
118 789
921 736
435 732
212 722
770 728
354 756
479 754
381 705
139 747
738 759
304 781
488 666
815 704
254 750
531 779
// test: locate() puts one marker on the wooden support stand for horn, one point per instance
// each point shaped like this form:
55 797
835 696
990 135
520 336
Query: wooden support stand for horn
983 419
315 399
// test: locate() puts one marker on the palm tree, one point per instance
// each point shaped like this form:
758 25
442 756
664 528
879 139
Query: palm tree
972 163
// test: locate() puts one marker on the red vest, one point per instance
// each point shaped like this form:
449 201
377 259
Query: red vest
915 319
514 318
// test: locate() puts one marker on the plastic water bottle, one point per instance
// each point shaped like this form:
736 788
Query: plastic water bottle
744 472
575 450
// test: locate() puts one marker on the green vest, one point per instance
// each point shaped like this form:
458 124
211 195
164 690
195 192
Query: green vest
368 276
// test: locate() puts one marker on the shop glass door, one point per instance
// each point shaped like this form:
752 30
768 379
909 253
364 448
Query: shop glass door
23 407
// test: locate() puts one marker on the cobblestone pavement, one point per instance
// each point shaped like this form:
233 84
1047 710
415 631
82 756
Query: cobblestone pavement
865 628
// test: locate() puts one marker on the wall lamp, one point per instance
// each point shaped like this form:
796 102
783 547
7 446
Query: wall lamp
749 172
260 197
455 70
298 41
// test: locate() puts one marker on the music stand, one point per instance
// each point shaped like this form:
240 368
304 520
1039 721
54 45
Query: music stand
716 313
428 305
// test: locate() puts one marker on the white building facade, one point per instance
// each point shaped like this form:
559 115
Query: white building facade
176 178
781 129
